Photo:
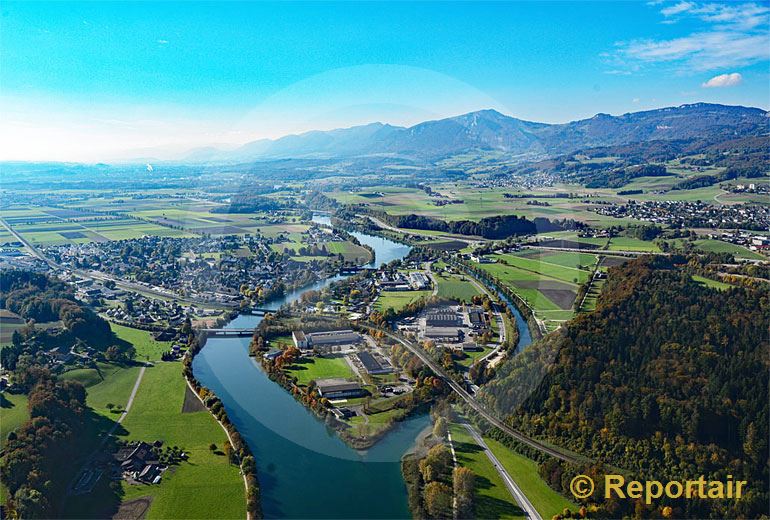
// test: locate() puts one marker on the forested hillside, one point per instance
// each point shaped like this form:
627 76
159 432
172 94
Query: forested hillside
667 379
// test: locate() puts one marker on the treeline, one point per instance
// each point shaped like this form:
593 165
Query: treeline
249 203
436 488
240 453
40 457
495 228
661 380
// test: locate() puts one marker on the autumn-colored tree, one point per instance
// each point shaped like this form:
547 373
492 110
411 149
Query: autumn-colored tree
438 500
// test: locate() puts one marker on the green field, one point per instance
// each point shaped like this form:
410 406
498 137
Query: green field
107 384
632 244
147 348
13 412
206 486
397 300
313 368
524 471
714 284
492 498
455 288
718 246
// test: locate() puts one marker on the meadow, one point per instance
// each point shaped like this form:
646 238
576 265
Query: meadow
397 300
492 498
205 486
546 280
455 287
524 472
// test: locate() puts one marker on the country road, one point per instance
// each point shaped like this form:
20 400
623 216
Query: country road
514 488
130 398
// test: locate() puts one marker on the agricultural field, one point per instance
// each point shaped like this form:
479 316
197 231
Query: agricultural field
147 348
492 498
477 203
546 280
56 226
106 384
718 246
206 486
313 368
397 300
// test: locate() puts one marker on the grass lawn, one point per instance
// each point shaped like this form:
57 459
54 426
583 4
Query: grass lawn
106 384
717 246
492 500
13 412
455 288
397 300
524 471
206 486
632 244
542 266
147 349
714 284
311 368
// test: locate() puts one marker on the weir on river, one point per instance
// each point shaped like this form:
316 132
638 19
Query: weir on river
304 468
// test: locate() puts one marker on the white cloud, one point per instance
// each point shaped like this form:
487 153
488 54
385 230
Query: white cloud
681 7
733 35
724 80
163 42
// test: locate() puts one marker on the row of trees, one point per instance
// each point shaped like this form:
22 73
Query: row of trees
239 452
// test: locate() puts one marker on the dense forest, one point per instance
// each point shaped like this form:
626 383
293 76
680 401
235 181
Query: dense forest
493 228
667 379
39 458
39 298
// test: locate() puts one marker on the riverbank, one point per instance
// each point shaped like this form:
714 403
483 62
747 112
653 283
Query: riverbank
289 442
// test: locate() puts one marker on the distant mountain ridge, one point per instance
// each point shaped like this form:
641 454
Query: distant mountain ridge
489 130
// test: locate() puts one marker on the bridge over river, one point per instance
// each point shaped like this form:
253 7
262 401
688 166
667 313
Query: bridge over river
229 333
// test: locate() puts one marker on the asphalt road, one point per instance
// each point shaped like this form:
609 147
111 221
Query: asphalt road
514 488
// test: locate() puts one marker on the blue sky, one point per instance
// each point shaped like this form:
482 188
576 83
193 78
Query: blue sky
101 80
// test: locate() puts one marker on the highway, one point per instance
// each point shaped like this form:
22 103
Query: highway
514 488
128 286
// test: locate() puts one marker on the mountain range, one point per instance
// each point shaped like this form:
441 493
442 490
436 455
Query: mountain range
491 131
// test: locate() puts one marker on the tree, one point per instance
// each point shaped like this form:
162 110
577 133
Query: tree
212 447
440 428
438 500
463 483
